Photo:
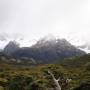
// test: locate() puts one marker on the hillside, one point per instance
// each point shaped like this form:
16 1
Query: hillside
8 59
25 77
76 62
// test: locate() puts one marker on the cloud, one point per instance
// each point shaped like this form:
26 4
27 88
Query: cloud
13 36
36 18
3 36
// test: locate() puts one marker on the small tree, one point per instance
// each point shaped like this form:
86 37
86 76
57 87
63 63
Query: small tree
56 81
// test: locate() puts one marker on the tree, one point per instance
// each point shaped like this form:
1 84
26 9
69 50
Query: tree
56 81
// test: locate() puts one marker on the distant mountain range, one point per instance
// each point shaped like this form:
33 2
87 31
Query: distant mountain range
46 50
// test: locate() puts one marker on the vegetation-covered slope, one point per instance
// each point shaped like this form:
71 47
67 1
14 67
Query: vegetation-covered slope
37 78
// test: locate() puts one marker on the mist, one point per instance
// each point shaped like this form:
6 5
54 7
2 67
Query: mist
29 20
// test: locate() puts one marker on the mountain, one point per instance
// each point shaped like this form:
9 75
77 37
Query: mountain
49 50
11 47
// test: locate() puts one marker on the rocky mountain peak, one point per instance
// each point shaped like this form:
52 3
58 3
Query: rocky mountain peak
11 47
50 41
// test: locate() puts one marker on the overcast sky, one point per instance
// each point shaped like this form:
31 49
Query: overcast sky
33 19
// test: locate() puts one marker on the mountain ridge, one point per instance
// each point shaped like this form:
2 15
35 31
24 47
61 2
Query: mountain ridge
46 51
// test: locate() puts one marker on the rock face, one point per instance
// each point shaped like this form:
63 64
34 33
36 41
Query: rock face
11 47
48 50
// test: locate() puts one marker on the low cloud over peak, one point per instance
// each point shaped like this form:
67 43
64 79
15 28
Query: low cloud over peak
34 19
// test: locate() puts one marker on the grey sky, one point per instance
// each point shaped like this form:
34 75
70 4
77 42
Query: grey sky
33 19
